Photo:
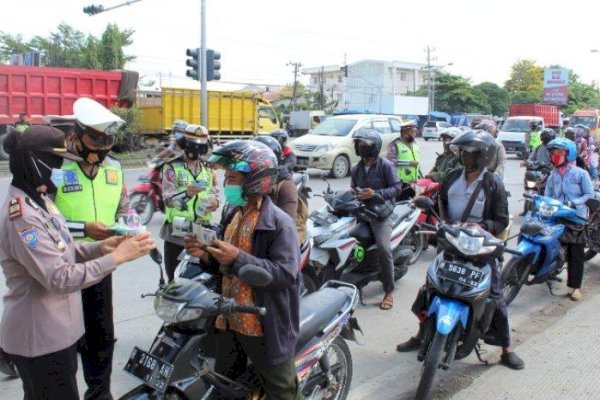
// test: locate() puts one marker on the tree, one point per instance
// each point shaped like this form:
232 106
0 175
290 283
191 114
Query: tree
525 76
70 48
497 97
454 94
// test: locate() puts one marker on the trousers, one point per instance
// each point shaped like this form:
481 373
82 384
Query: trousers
575 255
49 377
97 344
382 232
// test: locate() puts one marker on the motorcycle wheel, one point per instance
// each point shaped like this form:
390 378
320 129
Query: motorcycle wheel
589 254
309 282
513 276
339 359
431 365
143 206
414 242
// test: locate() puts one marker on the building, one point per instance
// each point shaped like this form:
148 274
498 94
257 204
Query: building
372 85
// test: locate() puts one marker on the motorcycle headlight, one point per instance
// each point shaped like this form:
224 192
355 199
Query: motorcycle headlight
546 210
323 148
531 184
166 309
469 245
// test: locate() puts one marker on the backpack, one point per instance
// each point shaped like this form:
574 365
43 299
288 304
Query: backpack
301 213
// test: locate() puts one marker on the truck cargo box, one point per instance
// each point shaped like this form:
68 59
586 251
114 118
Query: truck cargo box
550 113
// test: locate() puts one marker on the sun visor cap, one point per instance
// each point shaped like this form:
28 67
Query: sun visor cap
46 139
408 124
196 134
93 115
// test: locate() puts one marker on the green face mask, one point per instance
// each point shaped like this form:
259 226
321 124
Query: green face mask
234 196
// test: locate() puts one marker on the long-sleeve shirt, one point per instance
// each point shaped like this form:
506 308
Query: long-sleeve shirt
574 185
540 155
45 270
499 161
381 177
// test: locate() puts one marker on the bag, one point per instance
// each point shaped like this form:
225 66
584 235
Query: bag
301 213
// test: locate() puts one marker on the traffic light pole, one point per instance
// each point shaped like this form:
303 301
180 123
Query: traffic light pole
202 67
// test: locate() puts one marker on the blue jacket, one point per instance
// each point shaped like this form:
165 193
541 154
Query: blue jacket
276 250
575 185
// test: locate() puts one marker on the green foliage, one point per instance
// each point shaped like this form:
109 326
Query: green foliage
128 138
70 48
454 94
525 76
497 97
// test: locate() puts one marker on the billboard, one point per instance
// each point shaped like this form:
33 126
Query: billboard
556 86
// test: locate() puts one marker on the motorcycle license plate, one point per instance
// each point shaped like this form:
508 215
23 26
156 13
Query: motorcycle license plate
323 219
153 371
459 274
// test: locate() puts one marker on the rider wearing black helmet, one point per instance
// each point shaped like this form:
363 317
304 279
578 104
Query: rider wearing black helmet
255 232
488 210
376 175
177 141
288 158
541 155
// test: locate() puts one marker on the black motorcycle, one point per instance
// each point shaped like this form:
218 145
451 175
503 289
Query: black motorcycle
536 175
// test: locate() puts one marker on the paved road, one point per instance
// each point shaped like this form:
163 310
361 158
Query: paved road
379 371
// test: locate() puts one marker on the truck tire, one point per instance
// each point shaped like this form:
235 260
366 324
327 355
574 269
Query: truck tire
3 153
340 167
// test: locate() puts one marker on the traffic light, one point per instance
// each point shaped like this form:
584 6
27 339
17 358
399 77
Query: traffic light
193 62
213 65
91 10
345 70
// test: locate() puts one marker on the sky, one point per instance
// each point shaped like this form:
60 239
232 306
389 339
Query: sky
482 39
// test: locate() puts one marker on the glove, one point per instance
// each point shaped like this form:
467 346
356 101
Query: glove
569 203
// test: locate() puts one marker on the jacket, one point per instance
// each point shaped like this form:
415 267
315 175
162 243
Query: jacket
444 163
575 185
495 216
276 250
45 270
381 177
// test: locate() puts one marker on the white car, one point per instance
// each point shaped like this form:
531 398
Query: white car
329 146
432 129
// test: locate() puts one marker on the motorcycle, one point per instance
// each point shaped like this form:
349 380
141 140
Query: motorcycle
535 181
541 257
428 188
344 247
459 308
177 367
592 228
146 197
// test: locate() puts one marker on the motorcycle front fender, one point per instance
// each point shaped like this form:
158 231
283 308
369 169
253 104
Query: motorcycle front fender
448 312
530 249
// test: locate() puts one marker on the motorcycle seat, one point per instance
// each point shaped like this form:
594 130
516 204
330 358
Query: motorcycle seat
401 211
317 310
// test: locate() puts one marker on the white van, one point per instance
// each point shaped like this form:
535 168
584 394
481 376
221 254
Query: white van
512 133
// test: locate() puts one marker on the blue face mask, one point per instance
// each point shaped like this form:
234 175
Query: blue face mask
56 177
234 195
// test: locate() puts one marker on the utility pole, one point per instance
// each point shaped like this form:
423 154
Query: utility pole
297 66
430 78
202 67
321 88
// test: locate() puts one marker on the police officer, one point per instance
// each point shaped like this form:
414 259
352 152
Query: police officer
92 196
489 209
45 268
533 137
21 125
187 184
404 153
175 147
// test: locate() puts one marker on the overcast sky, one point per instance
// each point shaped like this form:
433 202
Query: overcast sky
257 38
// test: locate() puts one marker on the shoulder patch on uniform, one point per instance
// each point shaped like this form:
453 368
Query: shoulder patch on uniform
170 173
29 236
15 209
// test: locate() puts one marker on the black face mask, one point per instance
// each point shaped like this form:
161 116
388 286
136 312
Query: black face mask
90 156
366 152
194 150
43 164
409 139
469 160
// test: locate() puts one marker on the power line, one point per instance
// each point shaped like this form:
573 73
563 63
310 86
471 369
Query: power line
297 66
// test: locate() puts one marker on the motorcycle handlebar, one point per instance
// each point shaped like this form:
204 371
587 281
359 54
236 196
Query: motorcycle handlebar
249 309
512 251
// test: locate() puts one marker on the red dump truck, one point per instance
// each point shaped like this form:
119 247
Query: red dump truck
550 113
39 91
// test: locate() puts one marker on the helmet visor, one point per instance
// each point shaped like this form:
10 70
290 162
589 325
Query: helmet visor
219 161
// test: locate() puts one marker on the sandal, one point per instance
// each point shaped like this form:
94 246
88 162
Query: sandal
388 302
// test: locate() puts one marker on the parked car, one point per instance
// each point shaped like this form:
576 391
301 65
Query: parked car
329 146
432 129
512 134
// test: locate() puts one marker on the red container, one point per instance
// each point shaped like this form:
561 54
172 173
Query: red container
39 91
549 112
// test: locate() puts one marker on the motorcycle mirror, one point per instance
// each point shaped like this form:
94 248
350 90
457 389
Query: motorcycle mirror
255 276
423 202
530 176
156 256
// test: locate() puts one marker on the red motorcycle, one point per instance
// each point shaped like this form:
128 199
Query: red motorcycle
146 197
427 188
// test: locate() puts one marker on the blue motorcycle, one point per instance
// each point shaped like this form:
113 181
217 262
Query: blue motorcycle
541 257
459 309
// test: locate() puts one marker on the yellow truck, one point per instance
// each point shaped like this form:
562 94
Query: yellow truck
231 115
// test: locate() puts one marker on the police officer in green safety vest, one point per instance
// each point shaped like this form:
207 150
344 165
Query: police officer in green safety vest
534 136
189 192
404 153
92 196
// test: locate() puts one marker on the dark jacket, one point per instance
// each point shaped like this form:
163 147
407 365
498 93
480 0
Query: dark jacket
285 196
495 209
276 250
381 177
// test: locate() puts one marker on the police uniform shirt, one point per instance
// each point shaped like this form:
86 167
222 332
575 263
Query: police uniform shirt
45 270
459 195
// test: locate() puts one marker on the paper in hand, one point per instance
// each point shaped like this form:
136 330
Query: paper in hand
204 235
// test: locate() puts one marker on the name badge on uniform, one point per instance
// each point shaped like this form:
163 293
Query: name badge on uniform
15 210
71 182
112 176
29 236
182 178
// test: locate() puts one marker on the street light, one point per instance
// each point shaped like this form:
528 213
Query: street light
99 8
432 69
